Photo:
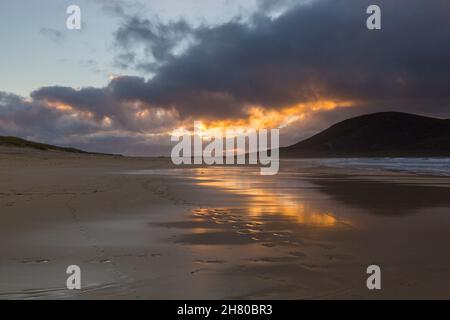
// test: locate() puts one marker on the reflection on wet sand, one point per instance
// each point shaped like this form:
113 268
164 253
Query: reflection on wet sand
387 197
262 198
311 234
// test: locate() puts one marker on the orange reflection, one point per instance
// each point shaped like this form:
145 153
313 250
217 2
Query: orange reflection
262 200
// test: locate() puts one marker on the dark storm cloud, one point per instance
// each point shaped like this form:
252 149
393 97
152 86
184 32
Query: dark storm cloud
101 103
316 50
36 120
319 49
87 99
159 39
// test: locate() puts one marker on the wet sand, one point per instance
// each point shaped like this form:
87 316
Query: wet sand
140 228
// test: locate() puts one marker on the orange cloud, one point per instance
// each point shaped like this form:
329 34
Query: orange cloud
263 118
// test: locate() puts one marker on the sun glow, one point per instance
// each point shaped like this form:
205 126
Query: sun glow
254 118
60 106
69 110
263 118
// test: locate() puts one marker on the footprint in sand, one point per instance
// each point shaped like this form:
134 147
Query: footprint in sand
34 261
298 254
207 261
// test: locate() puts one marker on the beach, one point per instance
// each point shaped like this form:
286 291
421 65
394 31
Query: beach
142 228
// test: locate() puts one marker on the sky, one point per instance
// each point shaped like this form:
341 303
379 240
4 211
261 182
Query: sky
137 70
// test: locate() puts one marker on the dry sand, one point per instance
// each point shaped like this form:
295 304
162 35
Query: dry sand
139 228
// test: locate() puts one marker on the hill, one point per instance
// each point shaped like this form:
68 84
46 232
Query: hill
383 134
9 141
